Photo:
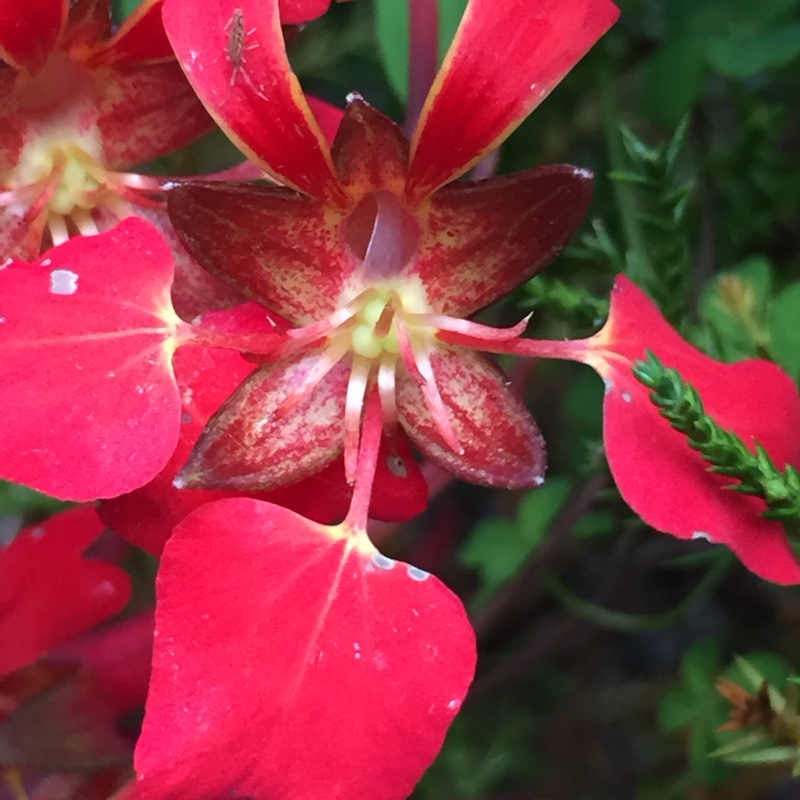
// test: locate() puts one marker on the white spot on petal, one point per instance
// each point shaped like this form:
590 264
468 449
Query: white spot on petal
702 535
609 385
417 574
580 172
382 562
454 705
46 262
104 589
37 532
63 281
626 397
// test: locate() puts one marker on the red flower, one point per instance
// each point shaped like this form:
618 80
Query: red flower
365 251
93 408
81 105
658 474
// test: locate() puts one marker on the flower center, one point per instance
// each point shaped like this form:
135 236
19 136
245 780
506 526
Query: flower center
375 331
74 174
60 175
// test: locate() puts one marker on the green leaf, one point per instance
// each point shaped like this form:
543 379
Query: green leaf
673 80
450 13
677 709
497 548
595 523
756 667
538 509
723 16
734 308
700 666
391 20
122 9
745 55
784 332
16 499
774 754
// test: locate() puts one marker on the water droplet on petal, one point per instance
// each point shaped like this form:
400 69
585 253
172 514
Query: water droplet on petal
417 574
382 562
397 467
63 281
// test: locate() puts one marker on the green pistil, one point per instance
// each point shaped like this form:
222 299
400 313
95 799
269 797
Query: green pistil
366 340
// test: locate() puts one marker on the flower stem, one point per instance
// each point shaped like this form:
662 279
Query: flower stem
423 56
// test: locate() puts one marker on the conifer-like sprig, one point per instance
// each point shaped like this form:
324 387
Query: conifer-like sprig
681 405
662 214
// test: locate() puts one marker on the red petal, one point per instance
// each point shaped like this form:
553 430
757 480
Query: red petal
49 593
140 38
118 658
234 56
502 445
30 30
291 662
247 447
505 59
285 250
481 240
296 12
370 151
664 480
146 111
89 406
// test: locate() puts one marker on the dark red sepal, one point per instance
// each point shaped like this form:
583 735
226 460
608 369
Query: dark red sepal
252 445
283 249
481 240
501 442
293 661
50 593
